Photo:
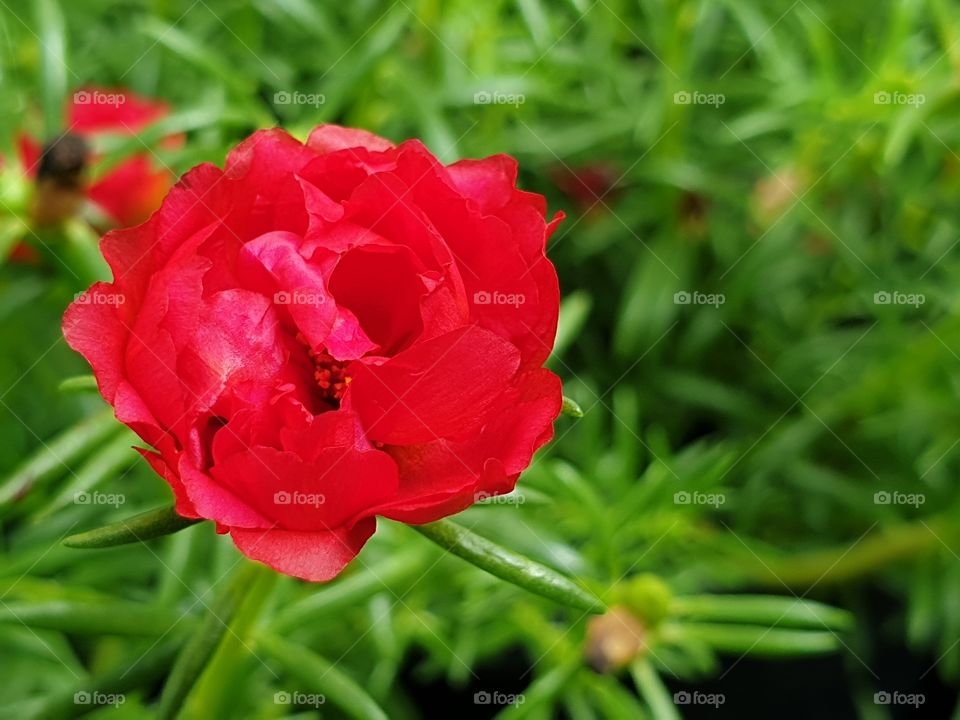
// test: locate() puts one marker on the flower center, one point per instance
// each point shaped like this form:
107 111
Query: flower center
329 373
331 376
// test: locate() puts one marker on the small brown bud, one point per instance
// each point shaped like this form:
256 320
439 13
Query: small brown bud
61 179
613 640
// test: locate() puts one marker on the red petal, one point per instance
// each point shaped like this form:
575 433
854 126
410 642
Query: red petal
380 285
131 191
315 556
273 266
489 182
330 138
440 478
436 389
129 113
296 495
94 330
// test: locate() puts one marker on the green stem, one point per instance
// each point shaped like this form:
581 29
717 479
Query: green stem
842 564
762 610
510 566
148 525
757 640
193 658
320 674
653 690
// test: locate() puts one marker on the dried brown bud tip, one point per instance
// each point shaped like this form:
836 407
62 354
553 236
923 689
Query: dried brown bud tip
64 160
61 176
613 640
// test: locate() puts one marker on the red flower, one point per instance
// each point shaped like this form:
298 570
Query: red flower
132 189
323 333
590 186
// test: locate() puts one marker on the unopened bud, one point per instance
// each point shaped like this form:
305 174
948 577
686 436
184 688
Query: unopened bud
613 640
61 179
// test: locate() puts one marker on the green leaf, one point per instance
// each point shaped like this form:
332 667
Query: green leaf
653 690
348 592
81 252
574 311
510 566
535 17
53 63
190 50
769 610
104 464
762 641
214 694
12 231
194 657
146 526
137 669
324 677
544 691
55 457
85 618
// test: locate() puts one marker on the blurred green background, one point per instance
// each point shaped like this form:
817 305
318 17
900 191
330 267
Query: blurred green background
760 321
